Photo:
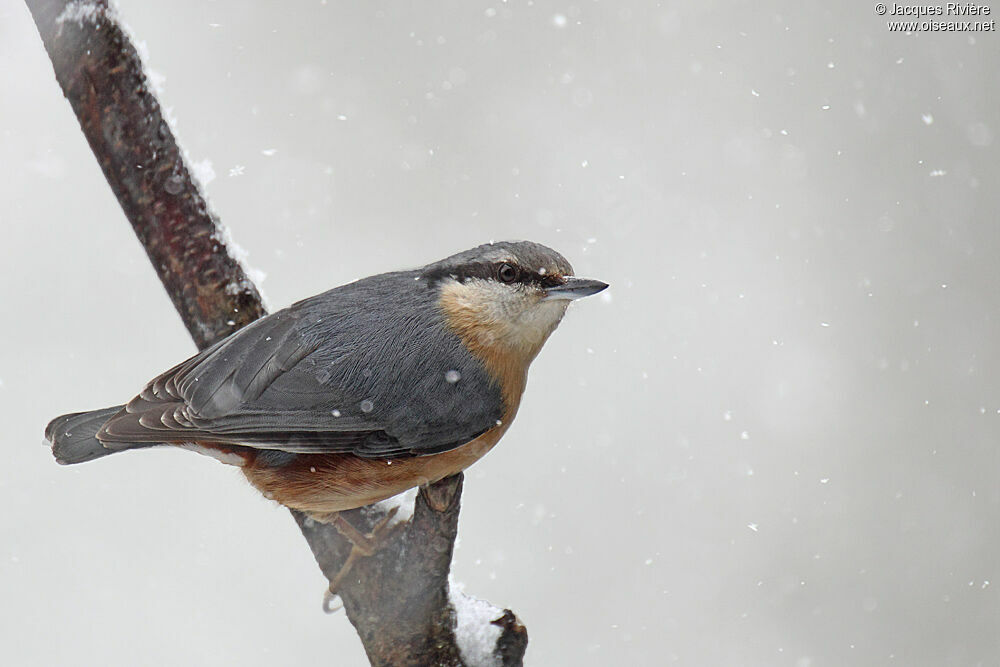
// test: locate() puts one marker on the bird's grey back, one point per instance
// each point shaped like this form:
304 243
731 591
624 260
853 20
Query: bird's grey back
383 348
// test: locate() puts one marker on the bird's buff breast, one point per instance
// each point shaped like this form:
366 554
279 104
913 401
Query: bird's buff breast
323 483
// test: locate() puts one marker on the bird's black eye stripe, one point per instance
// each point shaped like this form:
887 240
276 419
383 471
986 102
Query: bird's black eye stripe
507 273
503 272
511 273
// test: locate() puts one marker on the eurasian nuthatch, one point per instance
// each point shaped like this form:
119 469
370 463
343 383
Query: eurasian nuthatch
359 393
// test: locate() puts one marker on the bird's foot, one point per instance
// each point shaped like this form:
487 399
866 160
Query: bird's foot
362 546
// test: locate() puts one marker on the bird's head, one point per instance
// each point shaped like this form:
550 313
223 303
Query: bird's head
506 298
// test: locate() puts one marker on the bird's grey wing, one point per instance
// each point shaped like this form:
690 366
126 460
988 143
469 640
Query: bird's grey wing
290 382
214 396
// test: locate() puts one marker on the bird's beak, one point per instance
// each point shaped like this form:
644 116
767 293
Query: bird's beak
574 288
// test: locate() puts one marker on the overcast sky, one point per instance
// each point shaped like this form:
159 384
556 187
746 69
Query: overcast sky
773 441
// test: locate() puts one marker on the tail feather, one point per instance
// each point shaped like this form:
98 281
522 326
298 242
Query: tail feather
74 436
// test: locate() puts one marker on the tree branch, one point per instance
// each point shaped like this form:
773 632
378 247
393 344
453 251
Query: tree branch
398 600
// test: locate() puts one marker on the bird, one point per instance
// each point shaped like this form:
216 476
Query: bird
359 393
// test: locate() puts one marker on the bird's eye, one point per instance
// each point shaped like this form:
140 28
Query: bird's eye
506 273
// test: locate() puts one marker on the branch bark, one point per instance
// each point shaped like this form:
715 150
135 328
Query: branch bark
398 600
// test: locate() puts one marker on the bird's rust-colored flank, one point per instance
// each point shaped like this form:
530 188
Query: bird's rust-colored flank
320 484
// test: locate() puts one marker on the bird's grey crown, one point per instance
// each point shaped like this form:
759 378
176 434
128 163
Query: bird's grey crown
536 261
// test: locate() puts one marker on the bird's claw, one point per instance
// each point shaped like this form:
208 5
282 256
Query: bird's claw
362 545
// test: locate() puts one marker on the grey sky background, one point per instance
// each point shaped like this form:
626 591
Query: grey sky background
774 442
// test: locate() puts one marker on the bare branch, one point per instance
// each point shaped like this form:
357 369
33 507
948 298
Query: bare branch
101 75
398 600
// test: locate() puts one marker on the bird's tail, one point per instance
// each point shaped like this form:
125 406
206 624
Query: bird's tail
74 436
